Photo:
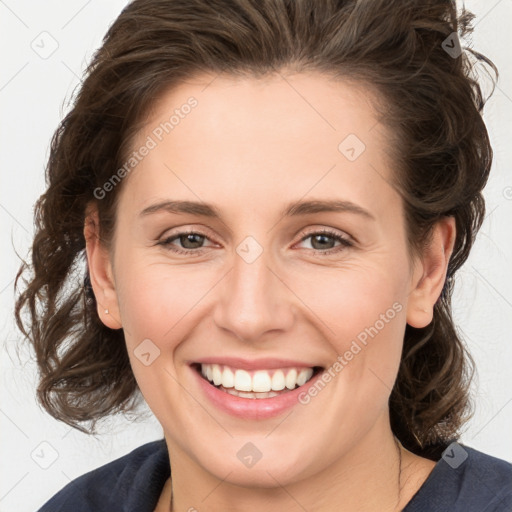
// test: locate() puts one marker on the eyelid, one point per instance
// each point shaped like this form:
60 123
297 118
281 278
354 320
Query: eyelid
165 239
200 229
345 240
327 231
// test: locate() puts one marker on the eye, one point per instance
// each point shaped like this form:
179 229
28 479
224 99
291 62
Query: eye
323 241
191 242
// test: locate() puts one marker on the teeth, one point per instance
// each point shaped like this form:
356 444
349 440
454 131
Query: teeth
291 379
303 377
278 381
243 381
216 374
261 382
255 384
228 378
243 394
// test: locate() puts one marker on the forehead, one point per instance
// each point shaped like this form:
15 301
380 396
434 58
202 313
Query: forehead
278 137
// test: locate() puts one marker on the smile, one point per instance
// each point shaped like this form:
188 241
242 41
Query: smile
255 383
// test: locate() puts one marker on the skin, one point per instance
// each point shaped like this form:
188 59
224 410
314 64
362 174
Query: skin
250 147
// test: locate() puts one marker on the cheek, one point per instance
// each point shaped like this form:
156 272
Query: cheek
364 310
159 301
361 303
349 300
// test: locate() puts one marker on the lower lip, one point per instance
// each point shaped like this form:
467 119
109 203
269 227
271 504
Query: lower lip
252 408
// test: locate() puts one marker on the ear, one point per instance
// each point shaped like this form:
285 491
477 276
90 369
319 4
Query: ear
100 271
430 273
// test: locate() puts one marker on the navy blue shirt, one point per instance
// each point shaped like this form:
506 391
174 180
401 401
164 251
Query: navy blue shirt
463 480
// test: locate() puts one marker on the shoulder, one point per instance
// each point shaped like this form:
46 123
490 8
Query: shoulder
486 478
465 480
131 482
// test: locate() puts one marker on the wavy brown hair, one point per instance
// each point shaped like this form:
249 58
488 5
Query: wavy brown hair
428 96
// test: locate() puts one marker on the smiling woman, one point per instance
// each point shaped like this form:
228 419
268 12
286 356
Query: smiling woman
273 273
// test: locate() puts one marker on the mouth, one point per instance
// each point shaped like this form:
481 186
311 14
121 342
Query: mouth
258 383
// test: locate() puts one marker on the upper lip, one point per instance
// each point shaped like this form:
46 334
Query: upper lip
266 363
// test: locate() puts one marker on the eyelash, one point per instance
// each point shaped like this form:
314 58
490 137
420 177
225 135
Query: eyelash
345 242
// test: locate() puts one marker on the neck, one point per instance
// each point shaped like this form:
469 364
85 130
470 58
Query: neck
369 477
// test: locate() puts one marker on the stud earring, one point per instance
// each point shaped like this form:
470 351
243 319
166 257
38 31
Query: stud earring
106 311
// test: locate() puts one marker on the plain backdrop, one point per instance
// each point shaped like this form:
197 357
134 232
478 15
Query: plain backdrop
45 48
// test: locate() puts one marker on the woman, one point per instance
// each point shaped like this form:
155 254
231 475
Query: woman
254 214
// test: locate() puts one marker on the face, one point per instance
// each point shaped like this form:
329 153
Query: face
290 266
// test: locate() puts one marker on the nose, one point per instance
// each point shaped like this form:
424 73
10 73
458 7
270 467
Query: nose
253 300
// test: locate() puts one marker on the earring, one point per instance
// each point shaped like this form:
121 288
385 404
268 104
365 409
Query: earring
106 311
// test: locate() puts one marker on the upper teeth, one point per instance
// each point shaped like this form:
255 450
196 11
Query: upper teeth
259 381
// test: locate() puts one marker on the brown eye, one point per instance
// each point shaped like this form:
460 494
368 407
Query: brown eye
191 240
185 242
324 242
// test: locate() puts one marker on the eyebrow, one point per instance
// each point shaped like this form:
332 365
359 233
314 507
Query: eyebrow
294 209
